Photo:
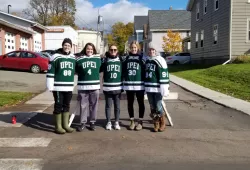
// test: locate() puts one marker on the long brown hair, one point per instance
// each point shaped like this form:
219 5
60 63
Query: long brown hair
85 48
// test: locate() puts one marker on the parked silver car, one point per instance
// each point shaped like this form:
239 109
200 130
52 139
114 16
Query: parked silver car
179 58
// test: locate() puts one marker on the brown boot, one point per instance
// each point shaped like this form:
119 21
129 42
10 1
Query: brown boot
162 123
156 124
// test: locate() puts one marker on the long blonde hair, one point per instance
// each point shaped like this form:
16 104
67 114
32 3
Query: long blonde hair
137 45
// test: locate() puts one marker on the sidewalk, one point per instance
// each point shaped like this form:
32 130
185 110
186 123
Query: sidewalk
217 97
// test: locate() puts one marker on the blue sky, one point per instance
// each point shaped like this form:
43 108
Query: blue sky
153 4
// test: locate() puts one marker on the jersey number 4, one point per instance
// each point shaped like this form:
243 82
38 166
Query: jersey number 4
89 72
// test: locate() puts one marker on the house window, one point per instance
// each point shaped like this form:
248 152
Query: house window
197 11
216 5
215 34
202 38
205 7
197 40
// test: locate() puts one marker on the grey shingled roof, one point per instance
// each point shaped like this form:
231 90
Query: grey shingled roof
139 21
169 19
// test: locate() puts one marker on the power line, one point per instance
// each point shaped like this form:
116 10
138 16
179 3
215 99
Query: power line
83 21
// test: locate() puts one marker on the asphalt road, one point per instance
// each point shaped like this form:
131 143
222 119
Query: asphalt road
205 136
22 81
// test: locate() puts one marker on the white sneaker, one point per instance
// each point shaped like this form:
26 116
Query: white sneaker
117 126
109 126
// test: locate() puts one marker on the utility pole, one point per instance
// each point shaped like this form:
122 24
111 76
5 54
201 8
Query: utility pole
9 8
99 20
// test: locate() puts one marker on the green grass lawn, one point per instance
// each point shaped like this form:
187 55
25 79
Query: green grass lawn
231 79
13 98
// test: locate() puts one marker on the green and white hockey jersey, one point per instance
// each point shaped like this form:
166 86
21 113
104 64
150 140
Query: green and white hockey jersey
157 76
112 74
87 68
134 73
61 71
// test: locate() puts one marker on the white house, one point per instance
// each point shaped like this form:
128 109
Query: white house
160 21
86 36
55 35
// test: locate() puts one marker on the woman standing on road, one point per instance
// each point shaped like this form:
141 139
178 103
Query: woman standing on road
156 86
88 67
60 80
134 74
112 85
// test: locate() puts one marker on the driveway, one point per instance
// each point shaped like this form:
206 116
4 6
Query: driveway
22 81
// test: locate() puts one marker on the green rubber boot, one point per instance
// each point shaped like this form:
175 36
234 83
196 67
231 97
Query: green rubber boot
58 125
65 122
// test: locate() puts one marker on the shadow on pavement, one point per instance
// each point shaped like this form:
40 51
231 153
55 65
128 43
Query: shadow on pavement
42 121
124 123
45 122
21 117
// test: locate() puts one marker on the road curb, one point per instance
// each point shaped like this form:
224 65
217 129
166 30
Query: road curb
218 98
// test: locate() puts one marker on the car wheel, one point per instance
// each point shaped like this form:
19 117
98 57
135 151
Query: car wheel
176 62
35 69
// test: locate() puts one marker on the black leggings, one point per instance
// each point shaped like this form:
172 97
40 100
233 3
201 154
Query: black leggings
62 101
140 100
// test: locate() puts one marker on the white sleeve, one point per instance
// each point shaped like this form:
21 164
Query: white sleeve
50 74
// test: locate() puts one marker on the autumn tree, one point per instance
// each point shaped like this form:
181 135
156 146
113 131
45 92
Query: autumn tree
119 34
52 12
172 42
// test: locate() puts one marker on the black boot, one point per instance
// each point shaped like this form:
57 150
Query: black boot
81 127
92 126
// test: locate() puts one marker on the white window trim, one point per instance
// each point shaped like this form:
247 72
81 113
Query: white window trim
202 37
215 5
217 34
204 13
198 11
197 39
248 30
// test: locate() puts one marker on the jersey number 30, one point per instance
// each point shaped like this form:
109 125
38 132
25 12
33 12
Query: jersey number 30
132 72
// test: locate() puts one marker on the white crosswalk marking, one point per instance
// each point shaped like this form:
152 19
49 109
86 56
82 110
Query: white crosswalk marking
24 142
21 164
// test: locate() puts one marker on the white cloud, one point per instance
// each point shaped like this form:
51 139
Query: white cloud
122 10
